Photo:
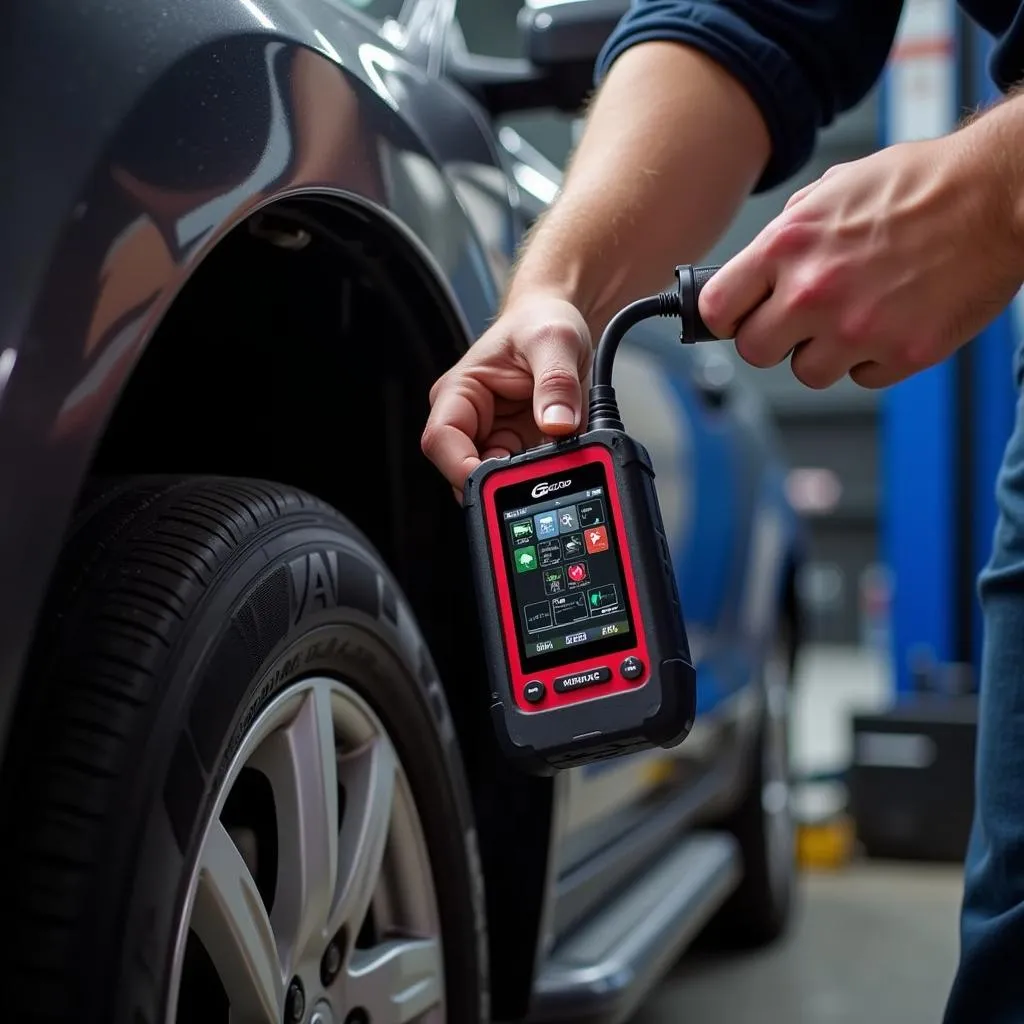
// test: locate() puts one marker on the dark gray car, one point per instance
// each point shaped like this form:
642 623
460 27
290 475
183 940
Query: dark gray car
248 772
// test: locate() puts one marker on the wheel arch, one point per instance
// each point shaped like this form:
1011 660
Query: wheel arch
121 185
69 398
339 414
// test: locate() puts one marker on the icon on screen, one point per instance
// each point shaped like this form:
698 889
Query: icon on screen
572 546
567 521
597 539
547 524
570 608
550 553
526 559
522 531
537 616
601 598
577 573
591 513
554 581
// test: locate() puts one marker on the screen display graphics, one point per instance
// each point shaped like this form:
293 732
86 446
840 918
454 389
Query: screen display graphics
566 575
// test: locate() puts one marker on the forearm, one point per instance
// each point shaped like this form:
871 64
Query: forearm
990 168
672 147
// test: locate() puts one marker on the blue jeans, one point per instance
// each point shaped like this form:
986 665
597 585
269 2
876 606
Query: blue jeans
989 984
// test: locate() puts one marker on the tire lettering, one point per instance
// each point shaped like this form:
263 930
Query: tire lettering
260 698
320 650
314 583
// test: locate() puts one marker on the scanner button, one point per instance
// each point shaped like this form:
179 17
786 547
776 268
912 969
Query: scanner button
533 691
580 679
631 669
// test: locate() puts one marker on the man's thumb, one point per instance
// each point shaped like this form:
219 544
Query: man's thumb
557 392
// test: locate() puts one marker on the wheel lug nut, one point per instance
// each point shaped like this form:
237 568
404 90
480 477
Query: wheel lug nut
295 1004
330 964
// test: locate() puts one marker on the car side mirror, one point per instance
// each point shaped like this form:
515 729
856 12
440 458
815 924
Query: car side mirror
561 43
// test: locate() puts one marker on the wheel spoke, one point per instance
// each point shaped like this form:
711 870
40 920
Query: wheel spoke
231 921
300 762
368 776
397 981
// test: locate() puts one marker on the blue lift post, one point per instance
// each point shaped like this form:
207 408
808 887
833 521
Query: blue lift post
920 416
943 431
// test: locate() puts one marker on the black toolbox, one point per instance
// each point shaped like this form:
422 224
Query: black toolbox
911 781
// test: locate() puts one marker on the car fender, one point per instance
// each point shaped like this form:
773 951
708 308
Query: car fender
139 134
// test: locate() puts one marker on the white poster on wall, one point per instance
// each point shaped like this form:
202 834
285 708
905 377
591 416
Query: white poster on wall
921 86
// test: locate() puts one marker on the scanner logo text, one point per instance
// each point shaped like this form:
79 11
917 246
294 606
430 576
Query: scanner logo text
541 489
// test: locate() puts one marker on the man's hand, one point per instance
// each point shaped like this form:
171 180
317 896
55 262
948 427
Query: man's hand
619 226
883 266
521 381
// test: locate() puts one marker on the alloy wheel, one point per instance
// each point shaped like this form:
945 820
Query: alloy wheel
312 898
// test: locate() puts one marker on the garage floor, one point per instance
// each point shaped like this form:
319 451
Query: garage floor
896 926
871 942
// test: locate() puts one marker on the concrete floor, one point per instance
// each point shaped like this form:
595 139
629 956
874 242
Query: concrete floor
870 944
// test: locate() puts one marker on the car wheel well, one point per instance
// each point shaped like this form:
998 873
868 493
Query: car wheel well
302 350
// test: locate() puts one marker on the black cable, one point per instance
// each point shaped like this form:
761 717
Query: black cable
604 410
662 304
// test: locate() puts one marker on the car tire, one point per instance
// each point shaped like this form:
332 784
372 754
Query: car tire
231 729
759 911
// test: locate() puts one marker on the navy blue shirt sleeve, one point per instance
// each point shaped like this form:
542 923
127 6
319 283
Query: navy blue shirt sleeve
802 61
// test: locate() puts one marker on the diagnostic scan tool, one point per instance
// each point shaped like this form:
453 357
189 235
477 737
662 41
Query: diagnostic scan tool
584 634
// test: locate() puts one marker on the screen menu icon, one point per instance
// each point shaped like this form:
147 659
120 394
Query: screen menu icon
591 513
550 552
567 520
526 558
522 531
554 581
547 524
572 546
537 616
577 573
570 608
602 598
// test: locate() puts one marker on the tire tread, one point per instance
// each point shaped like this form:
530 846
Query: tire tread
116 630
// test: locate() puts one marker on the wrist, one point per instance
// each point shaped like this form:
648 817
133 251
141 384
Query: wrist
528 290
557 265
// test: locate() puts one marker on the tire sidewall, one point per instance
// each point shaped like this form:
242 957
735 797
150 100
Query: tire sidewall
770 884
776 742
758 911
381 657
778 876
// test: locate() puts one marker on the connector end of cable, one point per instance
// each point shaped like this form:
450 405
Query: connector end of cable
670 304
604 409
690 282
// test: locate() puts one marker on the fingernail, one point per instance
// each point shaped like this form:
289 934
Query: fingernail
558 416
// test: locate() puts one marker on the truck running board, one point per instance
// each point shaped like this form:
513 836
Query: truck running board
599 973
